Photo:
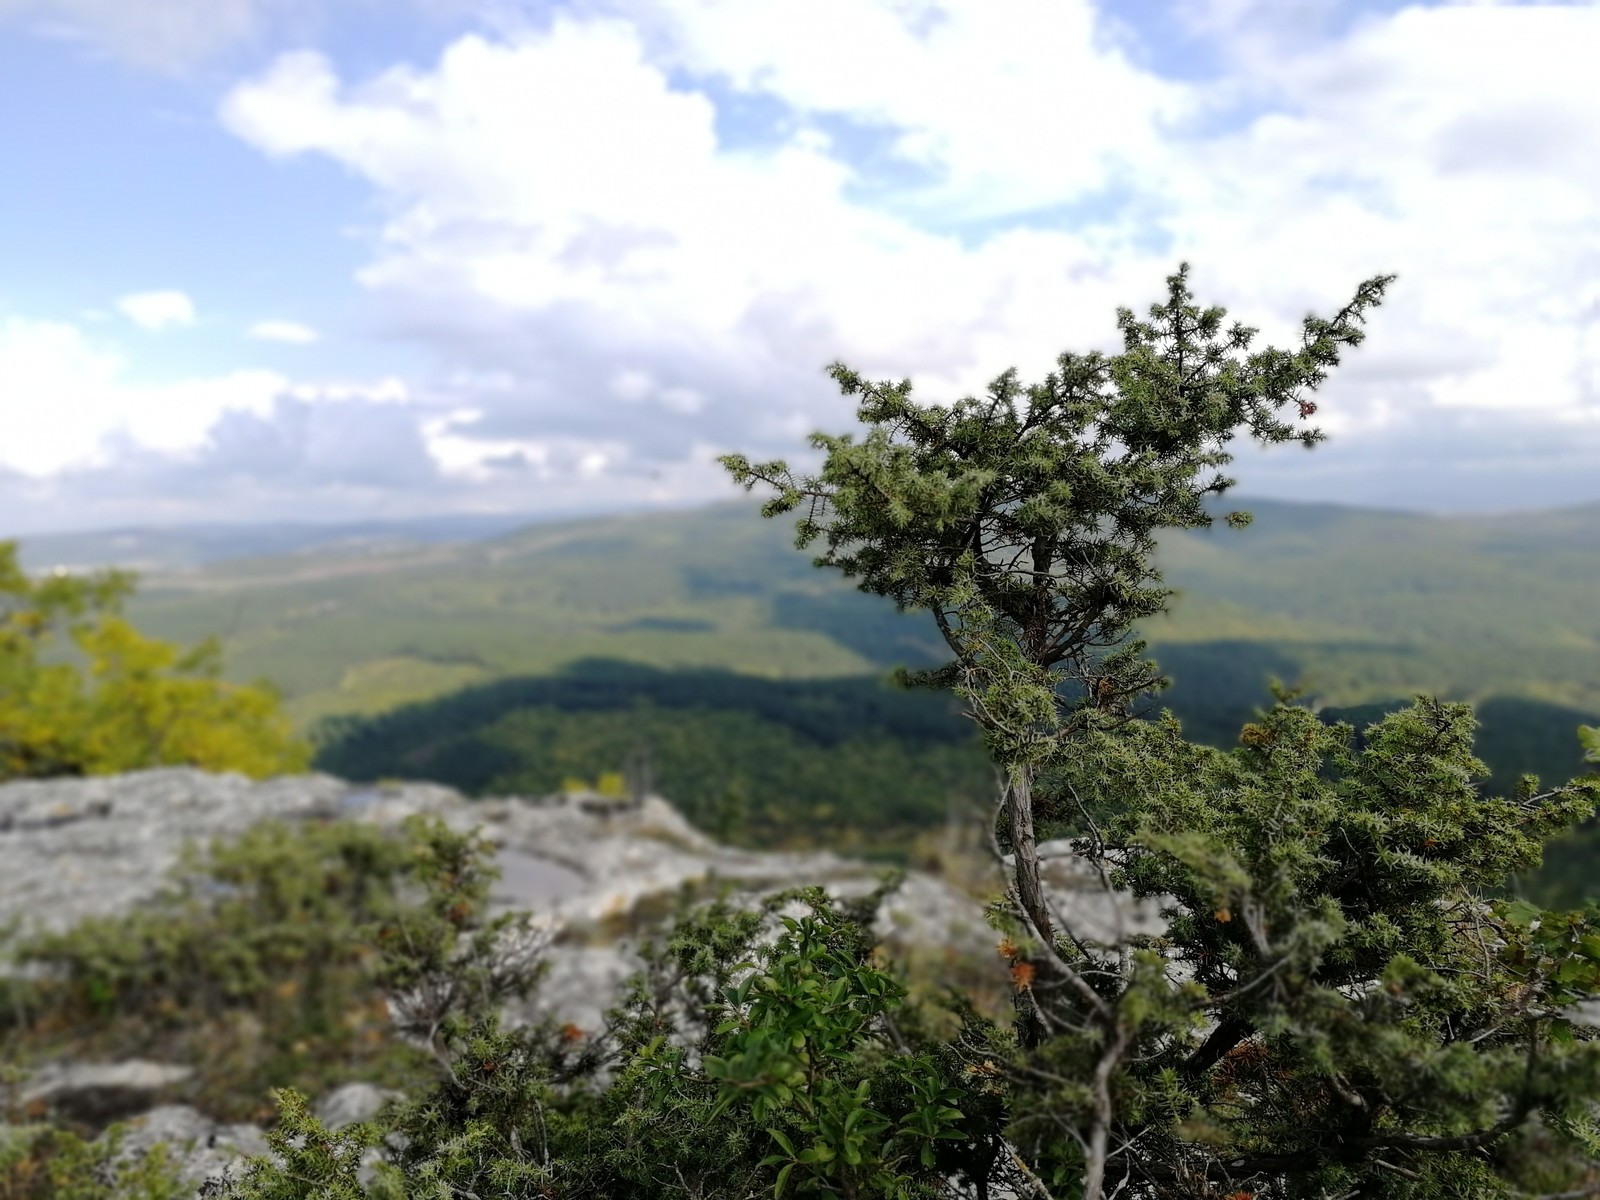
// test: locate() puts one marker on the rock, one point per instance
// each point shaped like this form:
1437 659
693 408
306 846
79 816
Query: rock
98 1093
199 1149
352 1104
592 873
74 848
1098 915
582 982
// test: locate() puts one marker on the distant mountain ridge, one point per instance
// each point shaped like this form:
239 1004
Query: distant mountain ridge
175 548
1358 605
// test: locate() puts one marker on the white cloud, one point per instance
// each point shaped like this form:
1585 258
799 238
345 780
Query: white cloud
615 285
290 332
566 221
63 396
156 311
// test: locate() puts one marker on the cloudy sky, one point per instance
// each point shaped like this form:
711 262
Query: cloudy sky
337 259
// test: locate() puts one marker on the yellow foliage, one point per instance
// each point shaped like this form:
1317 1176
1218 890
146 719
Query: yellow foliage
138 703
610 783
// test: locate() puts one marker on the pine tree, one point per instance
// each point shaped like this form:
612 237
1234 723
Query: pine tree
1026 522
1335 1004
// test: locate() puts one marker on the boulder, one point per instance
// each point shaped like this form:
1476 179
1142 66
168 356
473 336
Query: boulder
95 1093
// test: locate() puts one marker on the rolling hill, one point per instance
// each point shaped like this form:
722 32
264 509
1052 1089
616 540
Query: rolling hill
1357 605
511 662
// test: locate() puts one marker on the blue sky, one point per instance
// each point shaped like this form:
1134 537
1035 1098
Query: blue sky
338 259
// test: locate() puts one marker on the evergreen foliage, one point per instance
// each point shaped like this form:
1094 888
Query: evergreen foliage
758 1053
39 1162
142 703
1334 1005
1026 523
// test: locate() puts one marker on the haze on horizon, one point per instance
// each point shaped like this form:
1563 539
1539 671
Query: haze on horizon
342 260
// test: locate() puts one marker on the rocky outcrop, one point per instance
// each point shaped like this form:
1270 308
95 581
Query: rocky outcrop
75 848
591 871
95 1093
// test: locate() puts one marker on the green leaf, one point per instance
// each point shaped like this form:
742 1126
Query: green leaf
1522 914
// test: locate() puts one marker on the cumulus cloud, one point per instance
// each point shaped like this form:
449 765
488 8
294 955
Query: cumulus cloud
156 311
90 448
571 231
630 234
290 332
83 438
62 394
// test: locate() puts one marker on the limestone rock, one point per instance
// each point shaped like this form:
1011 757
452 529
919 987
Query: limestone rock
97 1093
199 1149
352 1104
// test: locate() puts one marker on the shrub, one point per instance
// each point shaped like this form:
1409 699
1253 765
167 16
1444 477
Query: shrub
257 966
139 703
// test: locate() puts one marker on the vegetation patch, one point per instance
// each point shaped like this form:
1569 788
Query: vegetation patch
255 968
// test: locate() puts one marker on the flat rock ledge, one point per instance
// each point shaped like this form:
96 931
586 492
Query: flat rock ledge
584 865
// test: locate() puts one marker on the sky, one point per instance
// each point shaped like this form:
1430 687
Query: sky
335 260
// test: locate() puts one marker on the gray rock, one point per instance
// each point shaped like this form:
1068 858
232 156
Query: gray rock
74 848
352 1104
590 872
97 1093
198 1148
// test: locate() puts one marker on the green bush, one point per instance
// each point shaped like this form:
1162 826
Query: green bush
257 966
140 702
736 1065
42 1163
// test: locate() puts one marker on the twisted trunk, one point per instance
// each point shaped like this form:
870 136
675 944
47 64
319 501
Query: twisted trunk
1025 848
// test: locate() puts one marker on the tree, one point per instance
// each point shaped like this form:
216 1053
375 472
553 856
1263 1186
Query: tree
1026 522
137 702
1337 1006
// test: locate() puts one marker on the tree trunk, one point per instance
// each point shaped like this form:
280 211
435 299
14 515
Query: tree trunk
1025 847
1094 1167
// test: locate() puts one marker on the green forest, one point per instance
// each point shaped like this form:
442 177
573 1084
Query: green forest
854 763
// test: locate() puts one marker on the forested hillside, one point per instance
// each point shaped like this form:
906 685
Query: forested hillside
687 639
1359 605
852 762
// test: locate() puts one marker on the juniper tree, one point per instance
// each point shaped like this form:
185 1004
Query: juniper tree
1026 521
1340 1004
1334 1004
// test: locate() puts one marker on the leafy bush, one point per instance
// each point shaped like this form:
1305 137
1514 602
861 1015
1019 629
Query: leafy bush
143 702
258 966
41 1163
739 1063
